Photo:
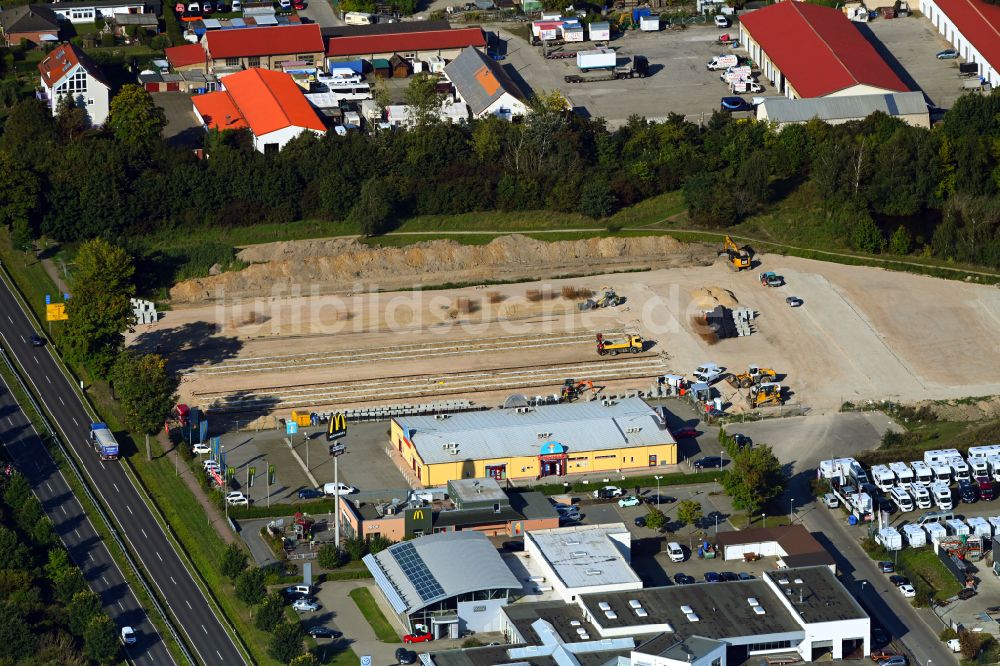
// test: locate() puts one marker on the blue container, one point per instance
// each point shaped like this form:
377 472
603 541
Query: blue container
852 520
639 12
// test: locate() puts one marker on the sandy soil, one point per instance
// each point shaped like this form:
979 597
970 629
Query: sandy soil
862 333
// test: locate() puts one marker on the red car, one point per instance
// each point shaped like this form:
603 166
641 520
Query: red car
299 5
417 638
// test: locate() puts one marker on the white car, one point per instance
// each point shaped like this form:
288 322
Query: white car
237 498
675 552
721 21
338 489
285 4
201 449
127 636
211 464
305 605
908 591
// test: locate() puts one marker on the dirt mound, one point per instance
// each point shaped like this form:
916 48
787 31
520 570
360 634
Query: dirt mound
984 409
345 265
708 298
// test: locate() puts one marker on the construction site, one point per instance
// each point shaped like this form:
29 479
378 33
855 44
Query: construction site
811 333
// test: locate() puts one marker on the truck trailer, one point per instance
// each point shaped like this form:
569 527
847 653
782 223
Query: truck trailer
104 441
637 67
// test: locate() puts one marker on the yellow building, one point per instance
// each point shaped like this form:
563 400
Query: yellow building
548 441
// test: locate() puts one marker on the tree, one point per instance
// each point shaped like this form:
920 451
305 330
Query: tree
900 242
689 511
596 198
71 119
16 639
13 553
866 236
21 236
655 519
100 311
19 185
100 639
234 561
355 548
286 643
424 99
29 134
135 119
754 479
58 563
68 584
329 556
373 210
146 389
84 606
250 586
271 612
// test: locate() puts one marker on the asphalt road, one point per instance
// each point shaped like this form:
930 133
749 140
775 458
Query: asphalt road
205 633
76 531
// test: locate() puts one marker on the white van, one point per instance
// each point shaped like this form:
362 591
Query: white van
338 489
942 496
902 499
358 18
675 552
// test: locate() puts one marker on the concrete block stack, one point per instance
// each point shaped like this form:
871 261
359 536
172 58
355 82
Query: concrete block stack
742 318
144 311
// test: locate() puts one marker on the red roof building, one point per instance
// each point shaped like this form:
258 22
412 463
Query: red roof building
267 47
69 72
270 104
973 28
188 56
445 43
808 50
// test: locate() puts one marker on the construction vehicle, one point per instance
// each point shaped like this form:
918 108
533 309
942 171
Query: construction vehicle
608 299
753 376
573 389
629 344
766 394
737 257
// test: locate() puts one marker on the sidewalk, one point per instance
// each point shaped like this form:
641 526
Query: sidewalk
216 519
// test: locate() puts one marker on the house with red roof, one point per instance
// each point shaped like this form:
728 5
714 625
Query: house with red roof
446 44
284 48
808 50
186 57
973 28
69 72
269 104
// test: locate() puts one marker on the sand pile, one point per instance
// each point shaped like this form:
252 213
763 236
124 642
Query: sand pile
345 265
708 298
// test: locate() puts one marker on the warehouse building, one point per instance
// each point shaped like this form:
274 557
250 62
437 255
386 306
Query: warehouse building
808 50
973 28
909 107
412 46
284 48
445 584
549 441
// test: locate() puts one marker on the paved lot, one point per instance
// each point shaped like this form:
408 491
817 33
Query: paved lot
908 45
182 128
321 12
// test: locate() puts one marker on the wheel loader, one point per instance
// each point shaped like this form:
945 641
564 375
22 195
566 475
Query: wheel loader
737 258
766 394
752 377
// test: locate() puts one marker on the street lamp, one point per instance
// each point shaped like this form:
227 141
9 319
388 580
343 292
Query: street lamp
717 524
791 510
763 517
657 489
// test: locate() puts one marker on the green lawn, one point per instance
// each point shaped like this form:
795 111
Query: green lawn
369 608
923 563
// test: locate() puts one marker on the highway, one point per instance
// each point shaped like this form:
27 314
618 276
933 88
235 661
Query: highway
84 544
205 633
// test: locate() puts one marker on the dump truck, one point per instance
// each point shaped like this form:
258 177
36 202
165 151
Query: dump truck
766 394
738 258
637 67
628 344
103 441
753 376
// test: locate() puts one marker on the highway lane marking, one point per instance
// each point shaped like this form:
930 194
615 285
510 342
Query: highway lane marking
77 533
172 580
105 581
36 359
49 486
61 401
91 553
143 532
47 379
127 506
220 655
121 606
204 629
158 556
10 422
188 603
63 507
116 487
75 421
9 319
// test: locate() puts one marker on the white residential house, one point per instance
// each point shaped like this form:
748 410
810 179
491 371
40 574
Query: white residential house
88 11
485 86
68 71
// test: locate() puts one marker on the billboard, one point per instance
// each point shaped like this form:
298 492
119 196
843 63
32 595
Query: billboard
336 428
56 312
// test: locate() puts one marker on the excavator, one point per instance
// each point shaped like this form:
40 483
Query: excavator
766 394
573 389
752 377
738 258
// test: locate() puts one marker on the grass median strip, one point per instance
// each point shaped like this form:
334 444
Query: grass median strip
369 608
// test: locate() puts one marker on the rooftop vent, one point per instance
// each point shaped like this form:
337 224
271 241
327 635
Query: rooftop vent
686 609
692 617
572 542
759 610
782 581
611 615
634 603
581 630
641 612
579 553
604 606
752 601
574 623
593 572
798 581
633 429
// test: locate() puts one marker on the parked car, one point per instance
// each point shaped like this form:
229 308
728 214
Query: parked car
237 498
208 8
880 636
831 501
721 21
712 577
309 493
297 591
640 521
201 449
324 632
660 499
729 576
237 6
735 104
908 591
299 5
886 567
954 645
966 593
210 464
793 301
898 660
36 340
608 492
305 605
741 441
127 635
743 575
418 638
340 488
967 492
882 655
771 279
405 657
285 4
947 54
630 500
675 552
899 580
682 433
708 462
684 579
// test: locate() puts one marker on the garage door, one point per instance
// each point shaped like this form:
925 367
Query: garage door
153 87
173 87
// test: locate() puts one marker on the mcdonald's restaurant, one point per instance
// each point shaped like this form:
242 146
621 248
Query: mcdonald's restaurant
548 441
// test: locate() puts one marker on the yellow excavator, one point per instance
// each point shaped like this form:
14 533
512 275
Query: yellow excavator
738 258
752 377
766 394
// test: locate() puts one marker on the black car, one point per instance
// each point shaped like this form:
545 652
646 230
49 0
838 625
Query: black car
729 576
735 104
967 491
880 636
899 580
36 340
966 593
324 632
886 567
747 576
640 521
708 462
309 493
404 656
683 579
660 499
885 505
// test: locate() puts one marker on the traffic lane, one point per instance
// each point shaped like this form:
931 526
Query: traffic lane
78 534
138 526
885 605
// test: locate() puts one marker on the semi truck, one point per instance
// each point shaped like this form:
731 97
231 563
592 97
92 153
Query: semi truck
637 67
104 441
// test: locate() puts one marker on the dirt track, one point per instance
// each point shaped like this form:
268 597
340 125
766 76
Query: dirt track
862 334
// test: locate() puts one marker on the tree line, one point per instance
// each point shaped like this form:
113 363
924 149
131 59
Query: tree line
877 185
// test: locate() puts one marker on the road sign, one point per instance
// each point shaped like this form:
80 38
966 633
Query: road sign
56 312
338 449
48 299
366 660
291 427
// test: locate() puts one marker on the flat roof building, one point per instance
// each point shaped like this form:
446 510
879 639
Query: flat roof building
793 545
909 107
446 584
584 558
973 28
534 442
808 50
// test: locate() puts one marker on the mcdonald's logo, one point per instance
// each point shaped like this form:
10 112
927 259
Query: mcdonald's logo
337 427
418 514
